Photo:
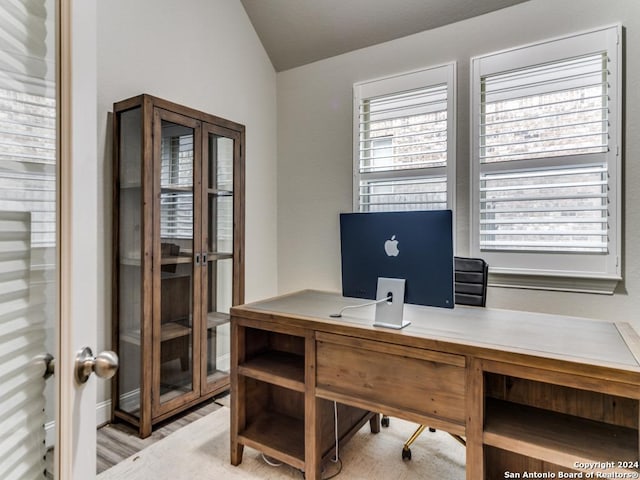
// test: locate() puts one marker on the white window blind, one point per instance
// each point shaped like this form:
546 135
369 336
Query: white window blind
404 147
27 121
221 153
27 230
546 162
176 179
555 110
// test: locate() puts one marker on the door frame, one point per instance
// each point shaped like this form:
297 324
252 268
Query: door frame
77 253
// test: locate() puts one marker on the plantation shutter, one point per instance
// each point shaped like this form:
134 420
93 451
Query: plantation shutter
555 110
28 229
27 118
546 162
403 147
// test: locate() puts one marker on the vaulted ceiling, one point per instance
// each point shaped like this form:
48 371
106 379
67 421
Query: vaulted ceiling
297 32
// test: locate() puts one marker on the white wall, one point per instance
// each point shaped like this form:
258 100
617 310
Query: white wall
203 54
315 149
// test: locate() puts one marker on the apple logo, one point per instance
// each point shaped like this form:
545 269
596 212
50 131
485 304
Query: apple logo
391 247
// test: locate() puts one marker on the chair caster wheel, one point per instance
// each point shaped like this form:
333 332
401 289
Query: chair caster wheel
406 454
384 421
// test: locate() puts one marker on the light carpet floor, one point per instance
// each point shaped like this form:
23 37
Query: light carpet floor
201 451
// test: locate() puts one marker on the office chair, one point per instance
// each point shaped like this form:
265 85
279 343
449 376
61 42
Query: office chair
470 288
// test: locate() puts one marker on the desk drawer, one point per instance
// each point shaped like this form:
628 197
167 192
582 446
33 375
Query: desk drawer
421 383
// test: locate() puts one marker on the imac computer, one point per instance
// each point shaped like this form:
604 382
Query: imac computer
414 246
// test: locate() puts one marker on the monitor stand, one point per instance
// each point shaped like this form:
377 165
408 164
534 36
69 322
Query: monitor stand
389 314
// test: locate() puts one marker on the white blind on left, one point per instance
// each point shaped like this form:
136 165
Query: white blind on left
28 114
22 340
27 229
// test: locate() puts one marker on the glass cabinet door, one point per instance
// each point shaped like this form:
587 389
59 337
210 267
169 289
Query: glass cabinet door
176 341
218 238
129 266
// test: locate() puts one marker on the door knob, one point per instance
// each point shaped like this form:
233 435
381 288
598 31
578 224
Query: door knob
49 364
105 364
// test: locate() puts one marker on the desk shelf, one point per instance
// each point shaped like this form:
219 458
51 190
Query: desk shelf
275 358
271 372
272 397
279 368
557 438
551 425
278 436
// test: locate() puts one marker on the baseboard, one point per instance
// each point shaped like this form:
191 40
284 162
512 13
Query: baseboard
130 401
103 415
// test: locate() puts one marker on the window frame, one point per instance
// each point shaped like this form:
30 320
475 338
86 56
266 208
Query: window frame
394 84
594 273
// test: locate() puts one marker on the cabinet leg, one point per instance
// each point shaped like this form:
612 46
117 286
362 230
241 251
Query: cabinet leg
237 450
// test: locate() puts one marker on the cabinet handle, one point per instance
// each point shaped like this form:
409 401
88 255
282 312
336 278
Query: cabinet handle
204 259
197 259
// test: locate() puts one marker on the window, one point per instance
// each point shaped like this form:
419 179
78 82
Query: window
404 141
546 163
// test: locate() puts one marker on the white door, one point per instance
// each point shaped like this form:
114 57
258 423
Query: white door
48 205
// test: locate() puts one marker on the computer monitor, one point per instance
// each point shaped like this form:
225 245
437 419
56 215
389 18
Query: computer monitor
414 245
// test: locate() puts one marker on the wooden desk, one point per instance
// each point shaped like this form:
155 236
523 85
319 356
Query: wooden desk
530 392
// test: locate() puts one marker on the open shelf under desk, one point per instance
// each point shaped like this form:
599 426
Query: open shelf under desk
278 436
278 368
558 438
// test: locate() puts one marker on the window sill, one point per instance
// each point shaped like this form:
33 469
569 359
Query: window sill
601 285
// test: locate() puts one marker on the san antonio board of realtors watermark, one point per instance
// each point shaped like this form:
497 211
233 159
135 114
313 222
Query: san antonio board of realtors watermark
592 470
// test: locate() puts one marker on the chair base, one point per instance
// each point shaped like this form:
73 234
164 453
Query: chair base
406 449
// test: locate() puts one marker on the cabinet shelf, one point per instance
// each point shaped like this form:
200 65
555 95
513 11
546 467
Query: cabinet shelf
176 260
131 261
557 438
279 368
277 435
211 256
216 319
134 261
169 331
219 193
174 188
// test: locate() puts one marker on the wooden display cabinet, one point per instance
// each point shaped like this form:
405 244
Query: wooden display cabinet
178 263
